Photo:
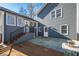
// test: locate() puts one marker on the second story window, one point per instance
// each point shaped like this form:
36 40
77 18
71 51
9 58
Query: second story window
59 12
53 14
56 13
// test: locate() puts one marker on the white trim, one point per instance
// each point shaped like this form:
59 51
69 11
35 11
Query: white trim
61 12
40 29
45 33
67 29
2 28
51 15
37 29
24 25
8 14
20 25
56 13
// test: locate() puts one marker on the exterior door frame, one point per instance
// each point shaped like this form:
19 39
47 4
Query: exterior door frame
25 27
45 29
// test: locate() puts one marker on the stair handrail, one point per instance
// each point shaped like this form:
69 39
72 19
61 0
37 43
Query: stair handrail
14 41
15 31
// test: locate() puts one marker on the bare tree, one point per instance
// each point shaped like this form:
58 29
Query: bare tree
22 11
31 8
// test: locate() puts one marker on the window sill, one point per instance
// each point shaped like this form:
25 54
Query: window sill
11 24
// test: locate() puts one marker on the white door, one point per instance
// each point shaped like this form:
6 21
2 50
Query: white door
45 32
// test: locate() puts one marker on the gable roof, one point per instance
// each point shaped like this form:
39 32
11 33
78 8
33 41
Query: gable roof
7 10
48 7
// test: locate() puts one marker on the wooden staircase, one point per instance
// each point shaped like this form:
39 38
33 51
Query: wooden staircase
17 37
14 37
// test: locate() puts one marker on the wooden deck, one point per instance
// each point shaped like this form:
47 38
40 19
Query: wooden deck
2 49
13 53
30 49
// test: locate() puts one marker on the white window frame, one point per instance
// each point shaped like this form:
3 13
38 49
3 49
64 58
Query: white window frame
40 29
20 25
56 13
51 14
67 29
7 14
61 12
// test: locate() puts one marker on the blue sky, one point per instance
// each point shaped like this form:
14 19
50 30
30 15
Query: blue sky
16 6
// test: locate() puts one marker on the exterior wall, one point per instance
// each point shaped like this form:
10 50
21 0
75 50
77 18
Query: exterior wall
69 17
78 36
10 28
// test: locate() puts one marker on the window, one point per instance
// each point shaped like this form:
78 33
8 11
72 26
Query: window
46 29
56 13
59 12
40 29
53 14
20 22
64 29
10 20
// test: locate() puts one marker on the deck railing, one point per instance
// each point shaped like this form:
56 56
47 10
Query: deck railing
14 34
19 32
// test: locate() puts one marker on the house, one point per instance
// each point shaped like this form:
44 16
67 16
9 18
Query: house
13 24
59 20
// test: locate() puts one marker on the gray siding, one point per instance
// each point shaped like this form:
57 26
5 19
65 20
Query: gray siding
8 30
69 17
78 36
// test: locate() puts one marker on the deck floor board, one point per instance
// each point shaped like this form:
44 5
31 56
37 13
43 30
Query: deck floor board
30 49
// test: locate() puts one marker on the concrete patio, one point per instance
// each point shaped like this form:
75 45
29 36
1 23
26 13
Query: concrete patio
53 43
